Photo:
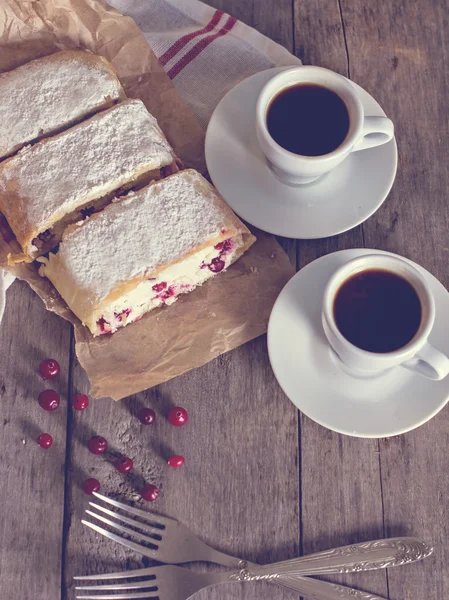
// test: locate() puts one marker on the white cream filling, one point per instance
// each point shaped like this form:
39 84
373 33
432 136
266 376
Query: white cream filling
180 278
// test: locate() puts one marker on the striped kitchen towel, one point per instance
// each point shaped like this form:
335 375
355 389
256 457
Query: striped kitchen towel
204 51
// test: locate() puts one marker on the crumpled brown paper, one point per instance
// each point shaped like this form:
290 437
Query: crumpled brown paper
221 315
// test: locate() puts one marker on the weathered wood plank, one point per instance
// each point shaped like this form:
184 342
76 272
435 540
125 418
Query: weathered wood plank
32 489
239 488
319 36
273 19
341 500
400 54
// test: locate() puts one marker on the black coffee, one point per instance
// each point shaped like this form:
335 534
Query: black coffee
308 119
377 310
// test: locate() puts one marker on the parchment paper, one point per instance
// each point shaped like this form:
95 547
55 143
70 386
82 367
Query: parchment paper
221 315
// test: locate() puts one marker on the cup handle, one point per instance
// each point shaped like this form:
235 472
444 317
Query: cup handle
376 131
430 362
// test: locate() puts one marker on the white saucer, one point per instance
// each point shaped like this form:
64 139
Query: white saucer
339 201
309 372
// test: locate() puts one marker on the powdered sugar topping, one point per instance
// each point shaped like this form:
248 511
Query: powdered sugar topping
43 96
86 162
150 229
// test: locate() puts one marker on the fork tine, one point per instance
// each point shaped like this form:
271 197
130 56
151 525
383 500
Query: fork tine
131 596
152 541
137 585
158 519
136 547
142 526
121 575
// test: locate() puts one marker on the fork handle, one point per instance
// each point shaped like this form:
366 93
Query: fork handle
366 556
314 589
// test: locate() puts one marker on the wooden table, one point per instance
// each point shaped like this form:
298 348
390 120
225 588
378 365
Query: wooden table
261 480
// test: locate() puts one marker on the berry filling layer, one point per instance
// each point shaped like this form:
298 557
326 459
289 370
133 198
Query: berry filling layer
164 289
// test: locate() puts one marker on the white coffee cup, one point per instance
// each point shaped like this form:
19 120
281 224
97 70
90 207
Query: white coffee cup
417 355
364 131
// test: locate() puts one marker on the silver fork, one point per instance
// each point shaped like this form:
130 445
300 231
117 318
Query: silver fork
170 541
175 583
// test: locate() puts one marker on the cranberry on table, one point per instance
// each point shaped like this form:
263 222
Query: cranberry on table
147 416
49 368
178 416
49 400
124 464
176 461
45 440
90 486
80 401
149 492
97 444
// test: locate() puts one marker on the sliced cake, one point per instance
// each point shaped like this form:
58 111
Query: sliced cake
65 178
49 94
144 250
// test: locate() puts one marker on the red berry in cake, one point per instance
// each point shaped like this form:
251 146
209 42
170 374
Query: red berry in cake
90 486
227 246
169 293
124 464
159 287
178 416
147 416
45 440
80 401
216 265
97 444
49 368
149 492
124 314
176 461
49 400
104 326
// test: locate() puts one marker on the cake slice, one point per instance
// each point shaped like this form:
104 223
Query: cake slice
48 94
144 250
65 178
